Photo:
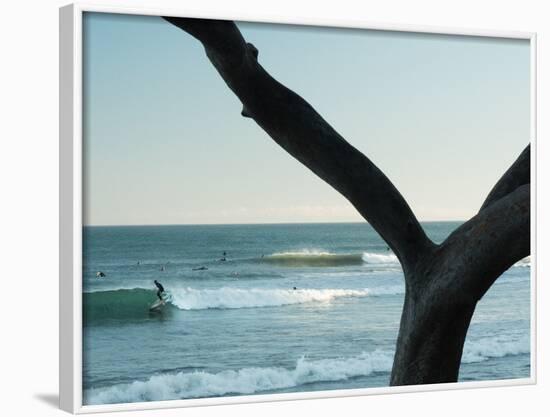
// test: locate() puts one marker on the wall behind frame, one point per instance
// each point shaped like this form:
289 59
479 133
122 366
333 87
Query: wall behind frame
29 181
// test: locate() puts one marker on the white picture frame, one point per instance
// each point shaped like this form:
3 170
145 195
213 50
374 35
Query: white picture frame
70 289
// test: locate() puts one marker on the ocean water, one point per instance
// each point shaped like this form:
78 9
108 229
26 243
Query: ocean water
295 307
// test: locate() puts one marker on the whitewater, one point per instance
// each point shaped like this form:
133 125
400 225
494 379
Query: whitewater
256 309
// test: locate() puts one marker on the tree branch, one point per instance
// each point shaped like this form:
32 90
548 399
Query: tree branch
517 175
292 123
484 247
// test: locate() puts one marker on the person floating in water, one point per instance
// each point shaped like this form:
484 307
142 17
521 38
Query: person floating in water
160 289
200 268
100 274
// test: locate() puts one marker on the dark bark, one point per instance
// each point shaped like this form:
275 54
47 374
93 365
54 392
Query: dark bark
443 282
517 175
449 282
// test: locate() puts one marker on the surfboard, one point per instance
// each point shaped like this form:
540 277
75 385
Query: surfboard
157 305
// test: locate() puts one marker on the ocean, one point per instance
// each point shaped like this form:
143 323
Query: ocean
292 308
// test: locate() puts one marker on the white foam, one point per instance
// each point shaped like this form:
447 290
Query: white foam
380 258
367 257
524 263
495 347
116 287
301 252
227 297
243 381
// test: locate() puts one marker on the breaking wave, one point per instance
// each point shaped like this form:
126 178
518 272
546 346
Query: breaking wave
243 381
229 298
380 258
133 303
200 384
322 258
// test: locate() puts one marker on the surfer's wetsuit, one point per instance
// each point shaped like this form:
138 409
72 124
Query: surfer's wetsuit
161 289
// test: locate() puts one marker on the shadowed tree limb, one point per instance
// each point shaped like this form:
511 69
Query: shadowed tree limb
291 122
517 175
447 285
489 243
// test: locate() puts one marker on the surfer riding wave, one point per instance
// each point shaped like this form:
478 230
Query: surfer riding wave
160 290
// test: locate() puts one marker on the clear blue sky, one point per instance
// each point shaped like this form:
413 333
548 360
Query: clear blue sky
164 142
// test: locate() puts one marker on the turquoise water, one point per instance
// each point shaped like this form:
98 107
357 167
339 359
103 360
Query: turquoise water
239 326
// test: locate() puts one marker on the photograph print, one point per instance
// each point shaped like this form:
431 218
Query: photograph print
272 208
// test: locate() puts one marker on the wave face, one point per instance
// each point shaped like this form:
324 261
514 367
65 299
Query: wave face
243 381
116 304
321 258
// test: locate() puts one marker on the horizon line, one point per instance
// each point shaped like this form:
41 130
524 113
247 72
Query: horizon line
256 224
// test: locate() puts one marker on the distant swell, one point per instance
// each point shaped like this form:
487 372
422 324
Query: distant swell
243 381
322 258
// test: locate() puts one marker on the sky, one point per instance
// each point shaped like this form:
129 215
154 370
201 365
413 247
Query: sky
164 143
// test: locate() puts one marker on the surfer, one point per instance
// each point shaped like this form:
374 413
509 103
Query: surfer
160 289
201 268
100 274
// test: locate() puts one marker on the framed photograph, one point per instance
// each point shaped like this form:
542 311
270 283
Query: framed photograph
258 209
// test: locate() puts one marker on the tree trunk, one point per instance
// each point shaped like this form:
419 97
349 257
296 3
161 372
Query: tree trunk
431 336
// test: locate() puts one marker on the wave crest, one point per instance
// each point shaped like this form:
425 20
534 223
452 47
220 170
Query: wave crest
229 298
243 381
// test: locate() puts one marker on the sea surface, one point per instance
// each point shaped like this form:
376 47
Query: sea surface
293 307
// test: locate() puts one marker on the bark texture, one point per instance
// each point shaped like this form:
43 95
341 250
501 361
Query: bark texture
443 282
